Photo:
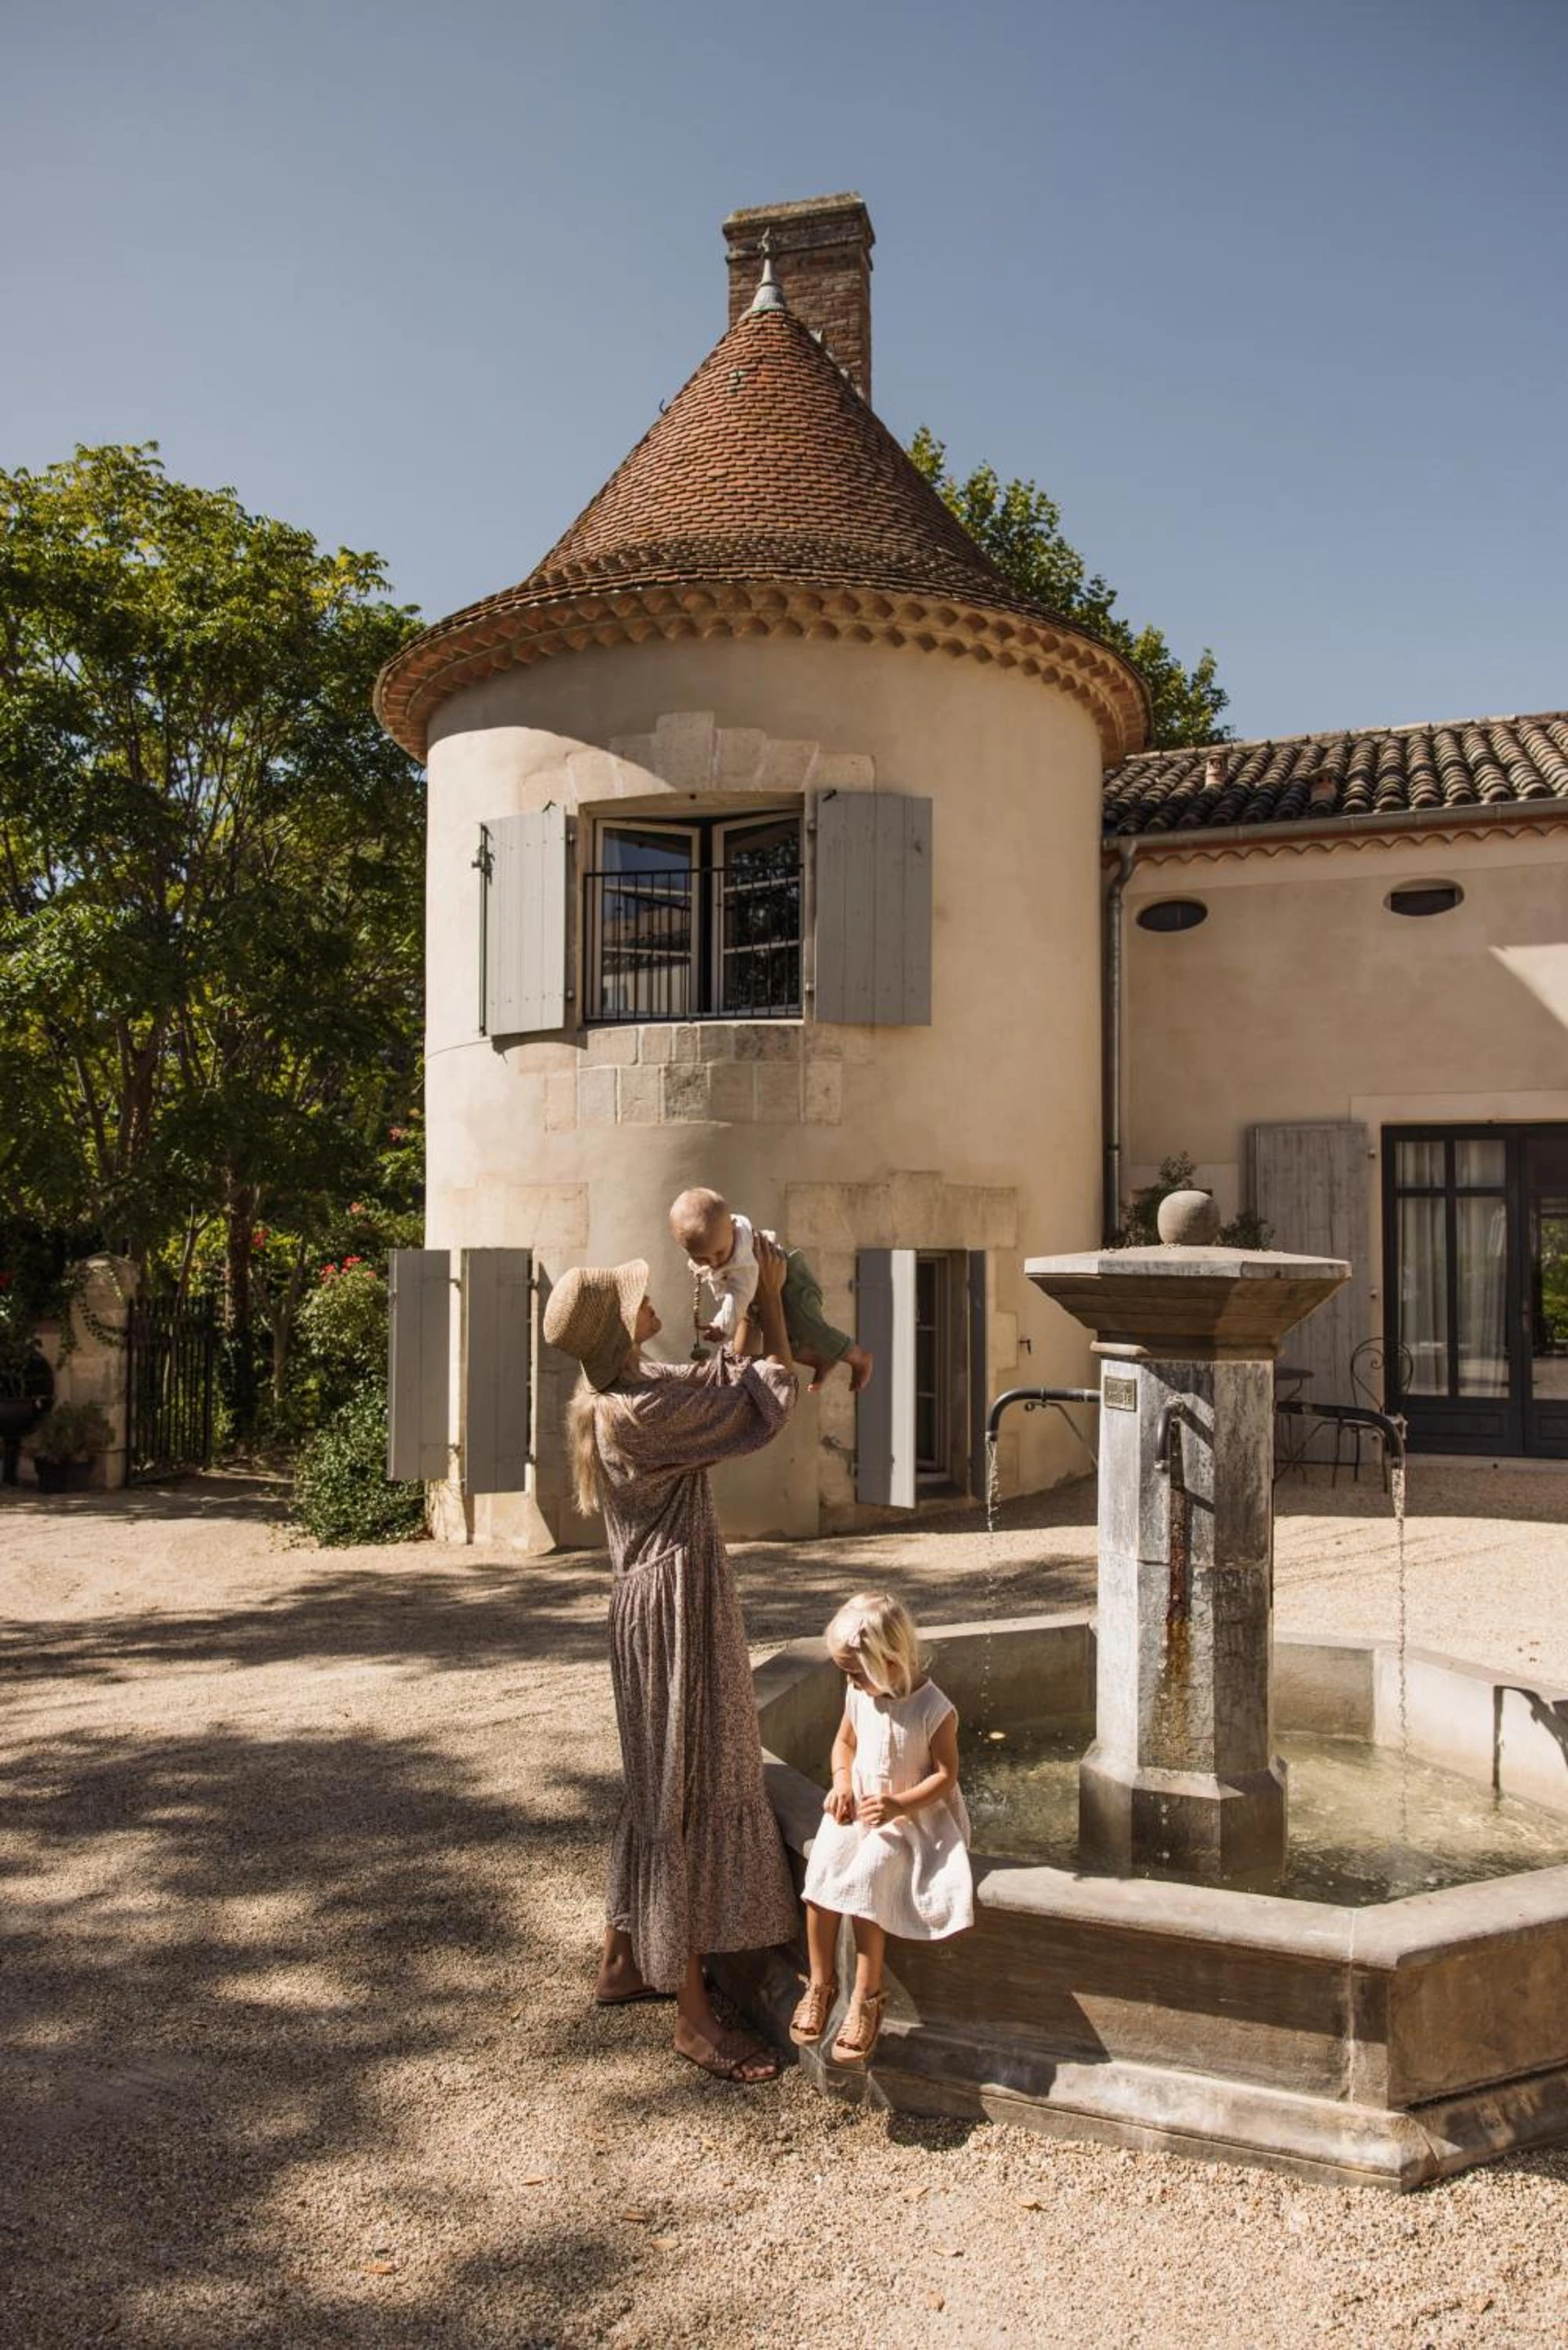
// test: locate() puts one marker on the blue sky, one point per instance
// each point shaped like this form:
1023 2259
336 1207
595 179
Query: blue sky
1270 298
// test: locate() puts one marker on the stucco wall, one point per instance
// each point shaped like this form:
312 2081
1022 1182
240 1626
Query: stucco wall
1302 996
980 1131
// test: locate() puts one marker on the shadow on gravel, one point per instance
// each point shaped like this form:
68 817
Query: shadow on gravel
252 1496
438 1618
224 1954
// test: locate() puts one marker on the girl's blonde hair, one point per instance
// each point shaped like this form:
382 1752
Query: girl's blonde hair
874 1633
583 1446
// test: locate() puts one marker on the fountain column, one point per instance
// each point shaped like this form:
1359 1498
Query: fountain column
1182 1779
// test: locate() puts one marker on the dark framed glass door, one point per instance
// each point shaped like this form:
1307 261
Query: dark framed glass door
1475 1286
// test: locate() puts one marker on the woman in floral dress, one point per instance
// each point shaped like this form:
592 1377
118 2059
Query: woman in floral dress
697 1863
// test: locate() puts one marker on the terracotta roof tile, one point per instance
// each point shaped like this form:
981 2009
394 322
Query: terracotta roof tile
1380 771
767 467
768 460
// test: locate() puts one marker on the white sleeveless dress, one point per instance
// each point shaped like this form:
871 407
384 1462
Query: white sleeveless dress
912 1875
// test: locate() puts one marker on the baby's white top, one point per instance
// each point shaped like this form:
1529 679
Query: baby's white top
732 1286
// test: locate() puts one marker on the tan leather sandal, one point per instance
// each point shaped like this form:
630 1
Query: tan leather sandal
809 2021
734 2056
859 2033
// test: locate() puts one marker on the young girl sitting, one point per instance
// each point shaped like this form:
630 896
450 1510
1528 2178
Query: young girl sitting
892 1851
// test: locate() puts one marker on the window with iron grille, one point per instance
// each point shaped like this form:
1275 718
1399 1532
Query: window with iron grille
697 920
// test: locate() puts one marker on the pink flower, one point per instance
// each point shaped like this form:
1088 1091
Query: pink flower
356 1208
352 1260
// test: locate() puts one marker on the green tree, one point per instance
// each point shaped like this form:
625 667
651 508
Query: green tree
210 867
1021 530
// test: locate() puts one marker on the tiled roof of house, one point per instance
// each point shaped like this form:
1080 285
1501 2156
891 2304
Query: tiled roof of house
767 498
1308 778
769 460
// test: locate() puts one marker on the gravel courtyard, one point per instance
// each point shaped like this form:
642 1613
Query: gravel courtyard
302 1856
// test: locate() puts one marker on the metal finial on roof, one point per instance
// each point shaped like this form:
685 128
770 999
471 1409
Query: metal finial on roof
769 294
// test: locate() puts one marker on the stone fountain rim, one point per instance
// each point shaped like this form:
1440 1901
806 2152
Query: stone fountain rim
1410 1928
1183 1262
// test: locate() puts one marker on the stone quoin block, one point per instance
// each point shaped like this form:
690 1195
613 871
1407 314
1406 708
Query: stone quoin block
732 1092
596 1098
639 1101
685 1093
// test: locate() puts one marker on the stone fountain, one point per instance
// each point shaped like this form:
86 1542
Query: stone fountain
1182 1779
1158 1982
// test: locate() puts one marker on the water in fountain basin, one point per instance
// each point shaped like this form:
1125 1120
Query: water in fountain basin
1457 1832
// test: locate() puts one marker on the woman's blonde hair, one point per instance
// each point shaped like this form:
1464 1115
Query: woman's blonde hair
874 1633
582 1445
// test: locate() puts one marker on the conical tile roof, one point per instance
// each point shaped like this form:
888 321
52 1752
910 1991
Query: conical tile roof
769 460
767 498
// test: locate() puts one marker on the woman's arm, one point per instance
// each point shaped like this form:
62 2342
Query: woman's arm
840 1798
765 1314
942 1780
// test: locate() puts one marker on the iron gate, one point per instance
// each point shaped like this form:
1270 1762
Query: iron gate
170 1345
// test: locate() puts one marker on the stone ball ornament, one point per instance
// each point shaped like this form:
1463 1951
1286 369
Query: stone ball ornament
1189 1219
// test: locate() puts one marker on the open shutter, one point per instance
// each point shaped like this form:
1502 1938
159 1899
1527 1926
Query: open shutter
497 1361
525 927
874 909
979 1369
1309 1182
884 1411
419 1364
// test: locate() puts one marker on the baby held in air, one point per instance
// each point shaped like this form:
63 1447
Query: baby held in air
720 1245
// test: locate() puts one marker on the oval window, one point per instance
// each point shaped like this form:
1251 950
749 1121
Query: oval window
1424 897
1172 914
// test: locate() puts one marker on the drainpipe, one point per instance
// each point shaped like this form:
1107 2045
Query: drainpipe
1111 1207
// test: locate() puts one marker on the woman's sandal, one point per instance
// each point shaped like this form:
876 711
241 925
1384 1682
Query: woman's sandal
857 2034
728 2058
809 2021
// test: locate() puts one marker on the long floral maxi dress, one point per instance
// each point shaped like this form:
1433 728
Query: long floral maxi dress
697 1862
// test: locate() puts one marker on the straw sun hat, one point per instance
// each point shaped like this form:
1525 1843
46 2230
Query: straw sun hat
592 1313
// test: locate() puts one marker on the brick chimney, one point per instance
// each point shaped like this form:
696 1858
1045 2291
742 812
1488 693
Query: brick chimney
821 253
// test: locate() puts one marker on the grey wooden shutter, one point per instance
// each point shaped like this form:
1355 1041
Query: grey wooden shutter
497 1363
1309 1183
884 1411
979 1369
874 909
526 923
418 1363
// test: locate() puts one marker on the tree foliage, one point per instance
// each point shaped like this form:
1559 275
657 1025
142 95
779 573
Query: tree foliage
210 866
1020 527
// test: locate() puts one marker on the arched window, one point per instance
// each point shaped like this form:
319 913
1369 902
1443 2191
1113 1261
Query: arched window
1172 914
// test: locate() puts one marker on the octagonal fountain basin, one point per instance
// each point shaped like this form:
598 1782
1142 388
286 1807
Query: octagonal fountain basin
1399 2012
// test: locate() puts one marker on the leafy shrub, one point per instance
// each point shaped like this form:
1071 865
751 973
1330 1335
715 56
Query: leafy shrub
71 1431
1140 1229
341 1332
341 1489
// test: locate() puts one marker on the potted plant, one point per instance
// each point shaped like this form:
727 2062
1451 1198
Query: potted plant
67 1436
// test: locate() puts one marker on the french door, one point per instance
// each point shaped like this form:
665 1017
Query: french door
1476 1259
